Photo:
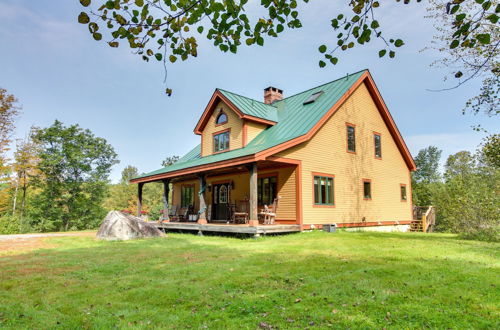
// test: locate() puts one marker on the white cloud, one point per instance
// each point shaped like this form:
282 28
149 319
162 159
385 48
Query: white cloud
29 27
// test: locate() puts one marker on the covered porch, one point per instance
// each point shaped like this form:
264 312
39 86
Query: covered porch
233 198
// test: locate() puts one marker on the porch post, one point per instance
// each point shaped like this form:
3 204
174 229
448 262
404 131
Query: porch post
166 187
254 220
139 198
202 214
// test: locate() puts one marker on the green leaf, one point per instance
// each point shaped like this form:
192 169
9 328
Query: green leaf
139 3
492 18
97 36
334 60
458 74
454 9
159 56
172 58
382 53
454 44
260 41
392 54
398 43
322 64
200 29
113 44
83 18
484 38
85 3
322 48
279 28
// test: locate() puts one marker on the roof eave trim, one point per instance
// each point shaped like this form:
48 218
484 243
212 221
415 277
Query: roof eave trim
217 95
196 169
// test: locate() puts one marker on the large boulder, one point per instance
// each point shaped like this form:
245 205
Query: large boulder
121 226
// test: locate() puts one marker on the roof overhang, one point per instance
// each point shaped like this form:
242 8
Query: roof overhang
216 97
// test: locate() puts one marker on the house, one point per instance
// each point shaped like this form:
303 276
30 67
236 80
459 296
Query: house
333 155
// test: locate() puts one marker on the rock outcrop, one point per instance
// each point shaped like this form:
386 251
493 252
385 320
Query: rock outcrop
121 226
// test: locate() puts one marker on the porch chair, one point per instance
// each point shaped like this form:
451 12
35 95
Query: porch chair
241 214
172 212
182 214
269 213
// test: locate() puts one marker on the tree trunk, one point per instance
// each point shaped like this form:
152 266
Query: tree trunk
15 197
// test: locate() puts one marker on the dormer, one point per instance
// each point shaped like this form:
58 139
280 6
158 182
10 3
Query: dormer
231 121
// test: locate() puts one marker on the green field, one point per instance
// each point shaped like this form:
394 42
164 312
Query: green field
310 279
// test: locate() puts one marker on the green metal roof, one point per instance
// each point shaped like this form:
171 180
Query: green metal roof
293 118
252 107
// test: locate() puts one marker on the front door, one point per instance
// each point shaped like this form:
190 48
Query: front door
220 201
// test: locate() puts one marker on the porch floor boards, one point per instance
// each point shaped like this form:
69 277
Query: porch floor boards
230 228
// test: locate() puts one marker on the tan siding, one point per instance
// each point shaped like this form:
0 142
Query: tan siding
233 122
176 192
287 192
326 153
254 129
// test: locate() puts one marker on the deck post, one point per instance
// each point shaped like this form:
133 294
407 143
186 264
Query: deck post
139 198
166 187
202 214
254 220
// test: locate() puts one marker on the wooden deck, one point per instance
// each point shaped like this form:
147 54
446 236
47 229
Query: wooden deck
230 228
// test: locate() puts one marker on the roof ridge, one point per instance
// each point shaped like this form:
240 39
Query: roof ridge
249 98
307 90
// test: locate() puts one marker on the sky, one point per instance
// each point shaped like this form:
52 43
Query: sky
57 71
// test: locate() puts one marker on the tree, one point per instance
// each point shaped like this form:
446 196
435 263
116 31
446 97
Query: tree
467 202
469 39
25 167
169 160
491 151
74 167
167 30
128 173
427 162
426 176
9 109
123 193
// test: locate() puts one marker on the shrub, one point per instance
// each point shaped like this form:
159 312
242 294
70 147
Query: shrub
14 225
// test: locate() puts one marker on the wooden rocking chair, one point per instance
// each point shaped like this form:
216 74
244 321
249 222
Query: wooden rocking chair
269 213
241 214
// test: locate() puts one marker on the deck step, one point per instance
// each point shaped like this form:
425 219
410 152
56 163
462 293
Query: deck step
416 226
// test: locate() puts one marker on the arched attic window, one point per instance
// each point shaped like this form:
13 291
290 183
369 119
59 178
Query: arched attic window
221 118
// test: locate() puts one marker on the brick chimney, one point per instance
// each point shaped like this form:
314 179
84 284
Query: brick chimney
272 94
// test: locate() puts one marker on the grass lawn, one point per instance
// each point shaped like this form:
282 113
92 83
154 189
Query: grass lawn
310 279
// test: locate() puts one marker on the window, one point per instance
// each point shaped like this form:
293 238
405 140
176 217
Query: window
223 194
187 196
351 138
403 193
313 97
267 189
221 118
367 189
378 145
323 190
221 141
